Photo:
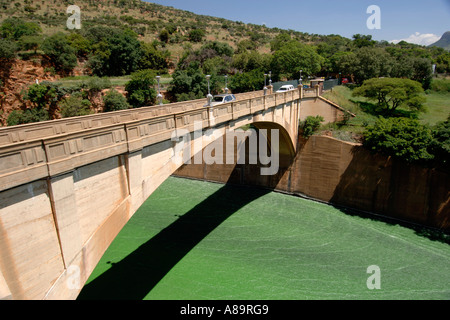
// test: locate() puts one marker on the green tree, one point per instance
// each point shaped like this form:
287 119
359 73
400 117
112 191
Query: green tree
441 142
311 125
81 44
154 59
401 138
392 93
140 89
191 84
74 106
361 41
293 57
196 35
60 52
17 117
115 101
371 63
247 81
115 54
14 28
30 43
8 49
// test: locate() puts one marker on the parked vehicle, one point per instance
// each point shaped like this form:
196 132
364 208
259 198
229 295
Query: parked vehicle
285 88
222 98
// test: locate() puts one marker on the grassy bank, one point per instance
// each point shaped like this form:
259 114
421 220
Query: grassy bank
437 106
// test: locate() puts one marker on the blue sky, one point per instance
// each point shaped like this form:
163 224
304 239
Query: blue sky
417 21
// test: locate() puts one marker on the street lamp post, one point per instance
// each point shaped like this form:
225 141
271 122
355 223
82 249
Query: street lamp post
301 80
159 96
226 82
209 96
270 78
265 83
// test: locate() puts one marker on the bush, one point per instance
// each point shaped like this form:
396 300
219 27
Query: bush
311 125
17 117
60 52
196 35
441 142
115 101
247 81
392 93
97 84
401 138
7 49
440 85
140 91
75 106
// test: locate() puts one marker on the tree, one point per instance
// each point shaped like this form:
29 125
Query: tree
13 28
60 52
371 63
196 35
140 89
401 138
311 125
441 142
81 44
247 81
115 52
360 41
293 57
154 59
392 93
75 106
191 84
164 35
115 101
30 43
7 49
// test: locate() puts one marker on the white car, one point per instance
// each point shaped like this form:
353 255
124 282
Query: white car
222 98
285 88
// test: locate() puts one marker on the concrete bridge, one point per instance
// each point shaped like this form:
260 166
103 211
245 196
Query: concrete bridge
67 187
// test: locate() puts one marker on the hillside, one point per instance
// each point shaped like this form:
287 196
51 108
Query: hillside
444 42
146 19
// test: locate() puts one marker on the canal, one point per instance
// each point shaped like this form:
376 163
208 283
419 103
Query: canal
195 240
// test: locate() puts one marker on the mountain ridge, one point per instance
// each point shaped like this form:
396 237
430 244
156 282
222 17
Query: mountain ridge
444 42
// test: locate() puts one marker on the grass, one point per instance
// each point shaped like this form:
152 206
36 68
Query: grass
438 108
437 105
235 243
115 81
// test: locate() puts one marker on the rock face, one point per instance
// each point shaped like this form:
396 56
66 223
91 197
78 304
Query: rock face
444 42
16 76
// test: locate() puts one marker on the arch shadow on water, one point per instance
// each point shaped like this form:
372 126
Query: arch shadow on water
137 274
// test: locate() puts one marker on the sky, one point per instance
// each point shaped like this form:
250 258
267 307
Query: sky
416 21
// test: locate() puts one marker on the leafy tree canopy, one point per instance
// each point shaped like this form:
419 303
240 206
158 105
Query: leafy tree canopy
402 138
392 93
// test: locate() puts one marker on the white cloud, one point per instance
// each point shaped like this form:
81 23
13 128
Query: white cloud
423 39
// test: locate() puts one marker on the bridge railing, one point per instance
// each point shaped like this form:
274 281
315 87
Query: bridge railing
36 151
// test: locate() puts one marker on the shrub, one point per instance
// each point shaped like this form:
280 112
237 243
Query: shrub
17 117
140 91
75 106
311 125
60 52
7 49
115 101
196 35
401 138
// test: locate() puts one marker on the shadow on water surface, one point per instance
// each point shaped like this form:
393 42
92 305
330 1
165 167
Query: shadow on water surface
137 274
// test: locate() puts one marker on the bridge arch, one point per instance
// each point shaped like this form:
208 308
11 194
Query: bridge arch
123 157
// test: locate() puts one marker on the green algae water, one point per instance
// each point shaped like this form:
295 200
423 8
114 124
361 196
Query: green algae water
195 240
